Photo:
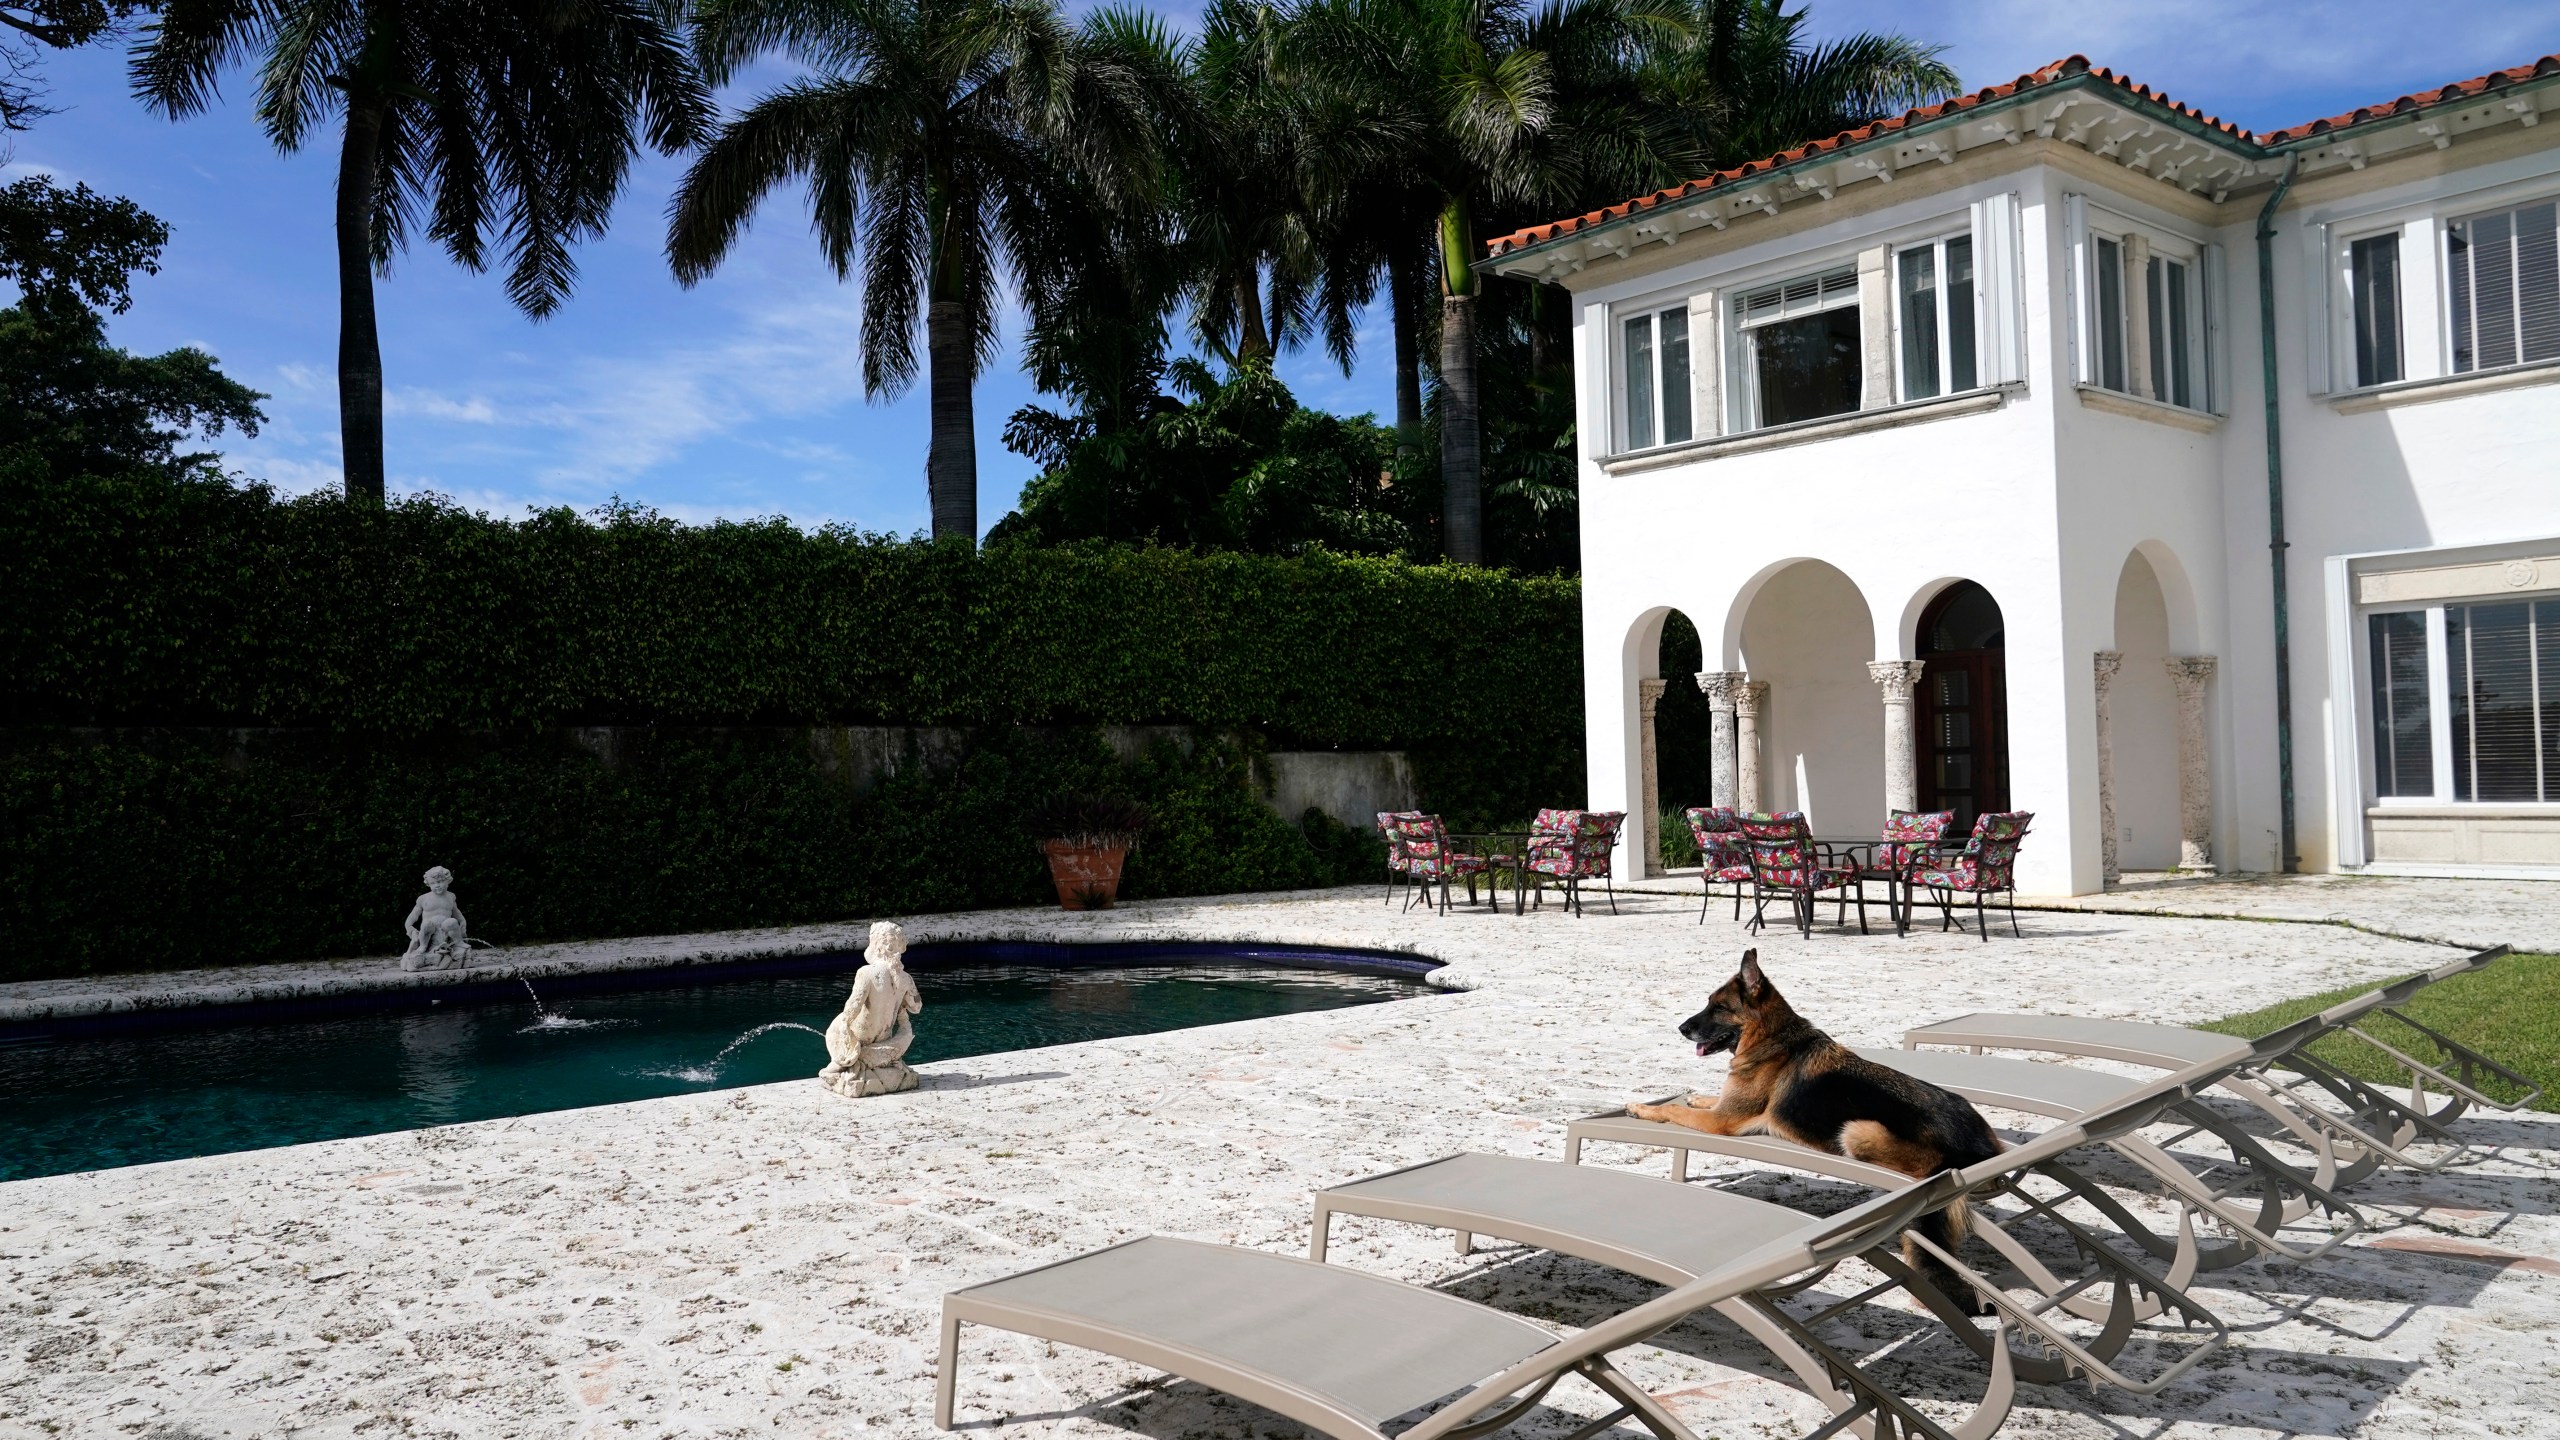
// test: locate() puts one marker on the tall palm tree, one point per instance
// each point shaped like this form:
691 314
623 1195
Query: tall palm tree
506 122
1488 103
946 141
1237 183
1484 113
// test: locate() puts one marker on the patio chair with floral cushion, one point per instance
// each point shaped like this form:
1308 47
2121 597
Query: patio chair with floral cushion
1399 866
1786 861
1724 856
1430 857
1909 837
1583 854
1986 865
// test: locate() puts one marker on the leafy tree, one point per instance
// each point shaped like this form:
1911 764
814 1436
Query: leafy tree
962 140
1238 465
70 403
499 122
29 28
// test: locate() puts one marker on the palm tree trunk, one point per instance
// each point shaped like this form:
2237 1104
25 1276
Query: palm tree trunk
951 461
1461 468
1254 341
1405 300
359 343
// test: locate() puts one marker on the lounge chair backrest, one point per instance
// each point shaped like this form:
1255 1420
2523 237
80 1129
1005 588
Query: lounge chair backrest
1553 825
2286 1038
2468 963
1852 1232
1424 839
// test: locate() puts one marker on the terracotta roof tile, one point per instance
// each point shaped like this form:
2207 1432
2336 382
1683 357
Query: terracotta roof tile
2459 90
2059 70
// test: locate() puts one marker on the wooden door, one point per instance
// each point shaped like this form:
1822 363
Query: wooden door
1963 744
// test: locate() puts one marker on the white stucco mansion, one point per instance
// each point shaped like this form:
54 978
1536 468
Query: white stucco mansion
1962 439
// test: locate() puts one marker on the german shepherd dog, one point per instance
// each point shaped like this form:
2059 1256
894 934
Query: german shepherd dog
1790 1080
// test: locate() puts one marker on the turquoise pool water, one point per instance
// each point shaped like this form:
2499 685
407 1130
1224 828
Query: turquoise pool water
89 1101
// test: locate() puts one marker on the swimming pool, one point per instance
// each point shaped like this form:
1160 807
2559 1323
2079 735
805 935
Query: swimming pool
135 1089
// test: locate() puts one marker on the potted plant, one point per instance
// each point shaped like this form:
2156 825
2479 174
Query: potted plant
1087 838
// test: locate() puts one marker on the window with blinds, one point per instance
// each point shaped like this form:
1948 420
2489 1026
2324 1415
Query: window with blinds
2403 744
2502 666
1798 353
2502 278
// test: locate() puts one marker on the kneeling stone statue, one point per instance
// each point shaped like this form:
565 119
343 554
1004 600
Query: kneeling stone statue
438 938
867 1043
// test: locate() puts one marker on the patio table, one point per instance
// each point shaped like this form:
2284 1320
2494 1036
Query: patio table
1858 852
1500 846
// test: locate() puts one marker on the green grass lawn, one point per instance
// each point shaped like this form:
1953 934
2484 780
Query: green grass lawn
2509 1012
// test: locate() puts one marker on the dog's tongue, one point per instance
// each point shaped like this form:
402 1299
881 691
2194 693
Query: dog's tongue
1702 1050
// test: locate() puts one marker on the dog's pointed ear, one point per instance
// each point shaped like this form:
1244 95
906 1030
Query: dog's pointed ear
1754 983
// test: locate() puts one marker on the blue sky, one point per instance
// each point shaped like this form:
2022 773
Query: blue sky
743 397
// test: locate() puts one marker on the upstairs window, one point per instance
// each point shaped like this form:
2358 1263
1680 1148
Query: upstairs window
2373 293
1933 286
1656 361
2502 281
1797 351
2176 303
2106 323
2143 316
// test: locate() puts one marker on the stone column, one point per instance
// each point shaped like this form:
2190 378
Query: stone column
1899 680
1649 803
1720 686
2195 763
1747 700
2108 662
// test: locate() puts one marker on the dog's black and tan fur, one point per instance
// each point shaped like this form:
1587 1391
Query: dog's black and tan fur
1790 1080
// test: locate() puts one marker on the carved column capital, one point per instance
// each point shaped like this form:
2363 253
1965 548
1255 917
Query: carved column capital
1649 695
1720 687
1898 679
2189 671
2108 662
1748 697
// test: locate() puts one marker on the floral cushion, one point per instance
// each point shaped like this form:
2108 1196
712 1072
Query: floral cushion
1428 853
1582 853
1990 857
1396 858
1904 832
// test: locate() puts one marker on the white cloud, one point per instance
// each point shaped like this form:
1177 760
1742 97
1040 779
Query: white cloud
428 405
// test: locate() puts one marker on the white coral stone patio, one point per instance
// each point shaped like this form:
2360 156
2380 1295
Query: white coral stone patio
770 1261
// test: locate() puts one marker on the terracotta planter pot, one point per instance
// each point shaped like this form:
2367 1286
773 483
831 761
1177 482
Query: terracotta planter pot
1084 874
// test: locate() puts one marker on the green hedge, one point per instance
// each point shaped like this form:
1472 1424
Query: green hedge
408 671
130 602
145 852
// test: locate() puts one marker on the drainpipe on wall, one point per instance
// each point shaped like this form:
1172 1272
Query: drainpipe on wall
2276 543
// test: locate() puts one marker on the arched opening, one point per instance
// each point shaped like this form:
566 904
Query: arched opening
1682 727
1808 637
2143 723
1964 705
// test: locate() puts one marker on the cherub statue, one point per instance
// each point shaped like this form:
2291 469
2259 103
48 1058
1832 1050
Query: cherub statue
867 1043
438 938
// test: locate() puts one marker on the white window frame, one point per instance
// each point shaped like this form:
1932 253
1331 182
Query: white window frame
1662 312
2439 712
1742 360
2192 259
2454 211
1973 315
2092 223
2342 280
2423 217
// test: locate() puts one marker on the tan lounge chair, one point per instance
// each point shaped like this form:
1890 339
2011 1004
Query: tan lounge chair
1345 1353
2254 1204
1670 1232
2352 1126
